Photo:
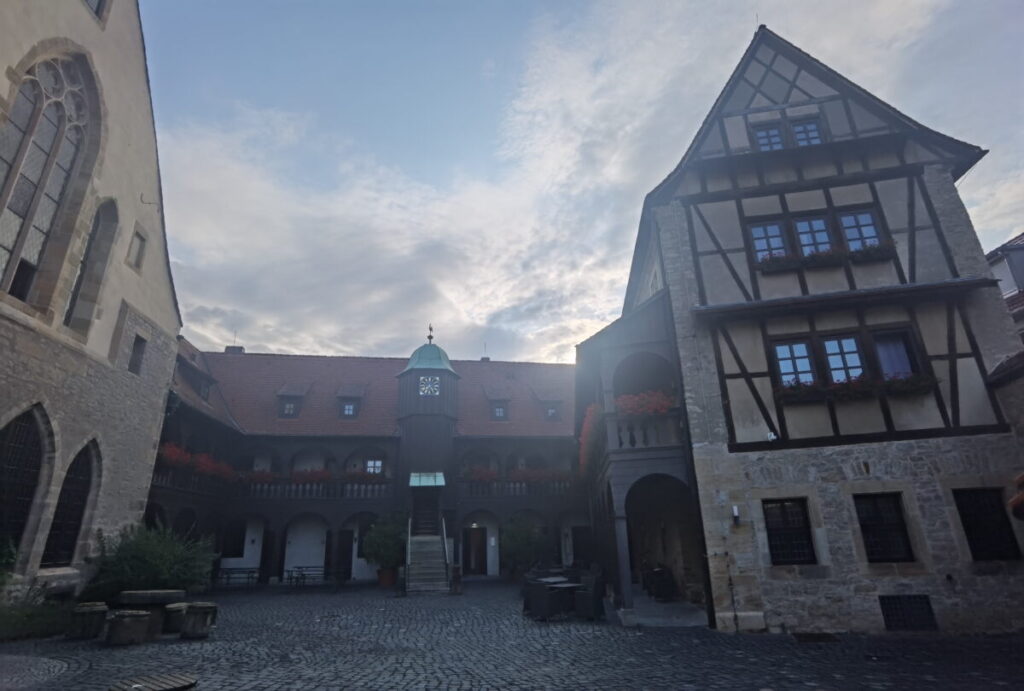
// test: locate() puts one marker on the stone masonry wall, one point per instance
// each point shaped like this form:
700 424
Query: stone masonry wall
86 398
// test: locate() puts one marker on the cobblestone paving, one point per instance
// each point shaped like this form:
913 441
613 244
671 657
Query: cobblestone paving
365 639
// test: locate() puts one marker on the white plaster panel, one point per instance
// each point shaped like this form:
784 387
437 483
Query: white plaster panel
712 141
860 417
975 407
736 133
690 183
864 120
851 194
826 280
835 115
781 326
808 420
893 196
746 336
931 322
875 274
724 220
781 285
729 365
748 423
718 181
830 321
762 206
919 411
765 116
888 314
806 201
814 86
746 175
879 159
802 111
755 71
719 282
785 67
783 172
765 54
931 260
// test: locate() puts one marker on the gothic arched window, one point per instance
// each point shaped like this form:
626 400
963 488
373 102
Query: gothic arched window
40 144
67 518
86 292
21 457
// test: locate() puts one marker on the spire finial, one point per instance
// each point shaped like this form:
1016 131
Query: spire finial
430 333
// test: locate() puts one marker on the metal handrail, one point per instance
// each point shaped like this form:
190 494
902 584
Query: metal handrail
444 541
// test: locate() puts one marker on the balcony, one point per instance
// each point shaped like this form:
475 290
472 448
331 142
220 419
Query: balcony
516 488
327 489
643 432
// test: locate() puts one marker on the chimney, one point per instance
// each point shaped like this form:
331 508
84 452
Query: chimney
485 358
234 350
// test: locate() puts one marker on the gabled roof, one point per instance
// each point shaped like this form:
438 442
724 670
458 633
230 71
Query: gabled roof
247 385
819 81
189 370
1014 244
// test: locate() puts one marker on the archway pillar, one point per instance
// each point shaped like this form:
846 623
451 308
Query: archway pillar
622 554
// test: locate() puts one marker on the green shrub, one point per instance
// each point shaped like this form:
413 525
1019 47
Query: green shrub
149 559
384 543
33 620
7 556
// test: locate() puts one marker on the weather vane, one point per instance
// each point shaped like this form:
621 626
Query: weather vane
430 334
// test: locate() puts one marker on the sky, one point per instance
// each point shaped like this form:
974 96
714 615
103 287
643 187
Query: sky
337 175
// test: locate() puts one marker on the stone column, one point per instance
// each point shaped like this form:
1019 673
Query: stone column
622 553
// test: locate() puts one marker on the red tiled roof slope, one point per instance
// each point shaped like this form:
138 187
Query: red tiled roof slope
250 383
190 357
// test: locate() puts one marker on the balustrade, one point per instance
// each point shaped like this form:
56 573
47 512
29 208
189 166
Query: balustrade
645 432
516 488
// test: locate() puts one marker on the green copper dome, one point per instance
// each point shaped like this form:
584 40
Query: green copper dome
429 356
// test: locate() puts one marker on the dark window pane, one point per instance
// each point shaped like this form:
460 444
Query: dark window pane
883 527
138 352
907 613
21 456
986 526
789 531
67 518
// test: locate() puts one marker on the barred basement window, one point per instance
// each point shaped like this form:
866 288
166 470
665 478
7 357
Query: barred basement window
21 458
789 531
67 518
986 526
883 528
907 613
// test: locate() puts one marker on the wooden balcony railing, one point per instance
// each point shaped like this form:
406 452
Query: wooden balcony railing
512 488
328 489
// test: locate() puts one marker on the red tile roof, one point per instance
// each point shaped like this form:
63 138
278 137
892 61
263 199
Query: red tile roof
250 383
190 369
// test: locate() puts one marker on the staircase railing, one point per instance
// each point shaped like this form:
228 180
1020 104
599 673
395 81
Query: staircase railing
444 541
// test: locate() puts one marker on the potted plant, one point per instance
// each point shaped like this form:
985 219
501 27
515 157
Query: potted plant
384 546
909 384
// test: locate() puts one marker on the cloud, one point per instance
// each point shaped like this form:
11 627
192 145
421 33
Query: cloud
531 259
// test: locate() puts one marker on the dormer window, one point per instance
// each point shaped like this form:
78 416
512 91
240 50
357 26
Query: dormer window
348 407
288 406
768 137
552 413
806 133
499 410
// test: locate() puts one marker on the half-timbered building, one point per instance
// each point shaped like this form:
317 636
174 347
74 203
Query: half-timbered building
809 293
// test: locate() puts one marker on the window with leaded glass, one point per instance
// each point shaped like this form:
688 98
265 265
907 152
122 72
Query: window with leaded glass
883 528
769 138
794 363
859 230
768 240
988 530
812 236
67 517
843 358
85 294
21 457
789 531
40 143
806 133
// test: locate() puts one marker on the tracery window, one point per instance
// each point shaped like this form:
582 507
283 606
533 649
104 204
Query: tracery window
67 518
40 143
85 294
21 457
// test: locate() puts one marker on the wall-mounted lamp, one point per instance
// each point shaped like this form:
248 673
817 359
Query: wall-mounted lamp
735 515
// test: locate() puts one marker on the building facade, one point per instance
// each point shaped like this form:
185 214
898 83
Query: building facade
88 316
836 359
287 460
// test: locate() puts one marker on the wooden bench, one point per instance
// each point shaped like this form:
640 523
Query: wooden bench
302 575
156 682
241 575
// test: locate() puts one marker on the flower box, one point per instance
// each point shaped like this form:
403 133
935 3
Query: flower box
856 389
777 263
823 259
873 253
792 262
801 393
909 385
644 404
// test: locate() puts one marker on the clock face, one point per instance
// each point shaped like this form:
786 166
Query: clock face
430 386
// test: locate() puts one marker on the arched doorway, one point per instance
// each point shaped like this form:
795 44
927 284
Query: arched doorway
305 542
22 447
665 555
66 527
352 564
481 544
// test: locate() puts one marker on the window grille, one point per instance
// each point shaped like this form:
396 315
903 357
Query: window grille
21 455
806 133
39 146
789 531
768 241
794 362
907 613
860 230
812 234
883 527
67 517
843 359
988 530
768 138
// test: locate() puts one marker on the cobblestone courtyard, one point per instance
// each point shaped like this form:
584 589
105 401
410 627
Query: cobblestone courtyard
364 639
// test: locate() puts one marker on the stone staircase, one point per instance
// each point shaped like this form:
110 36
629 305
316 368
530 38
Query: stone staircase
426 572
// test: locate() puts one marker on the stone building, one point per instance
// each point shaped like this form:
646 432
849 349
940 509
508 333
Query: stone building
88 316
287 460
843 421
1007 264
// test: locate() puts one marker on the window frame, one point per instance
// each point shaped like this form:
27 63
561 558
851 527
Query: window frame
371 469
787 240
282 407
878 221
138 355
804 120
785 124
757 128
553 412
806 532
999 519
344 402
777 369
869 531
502 406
